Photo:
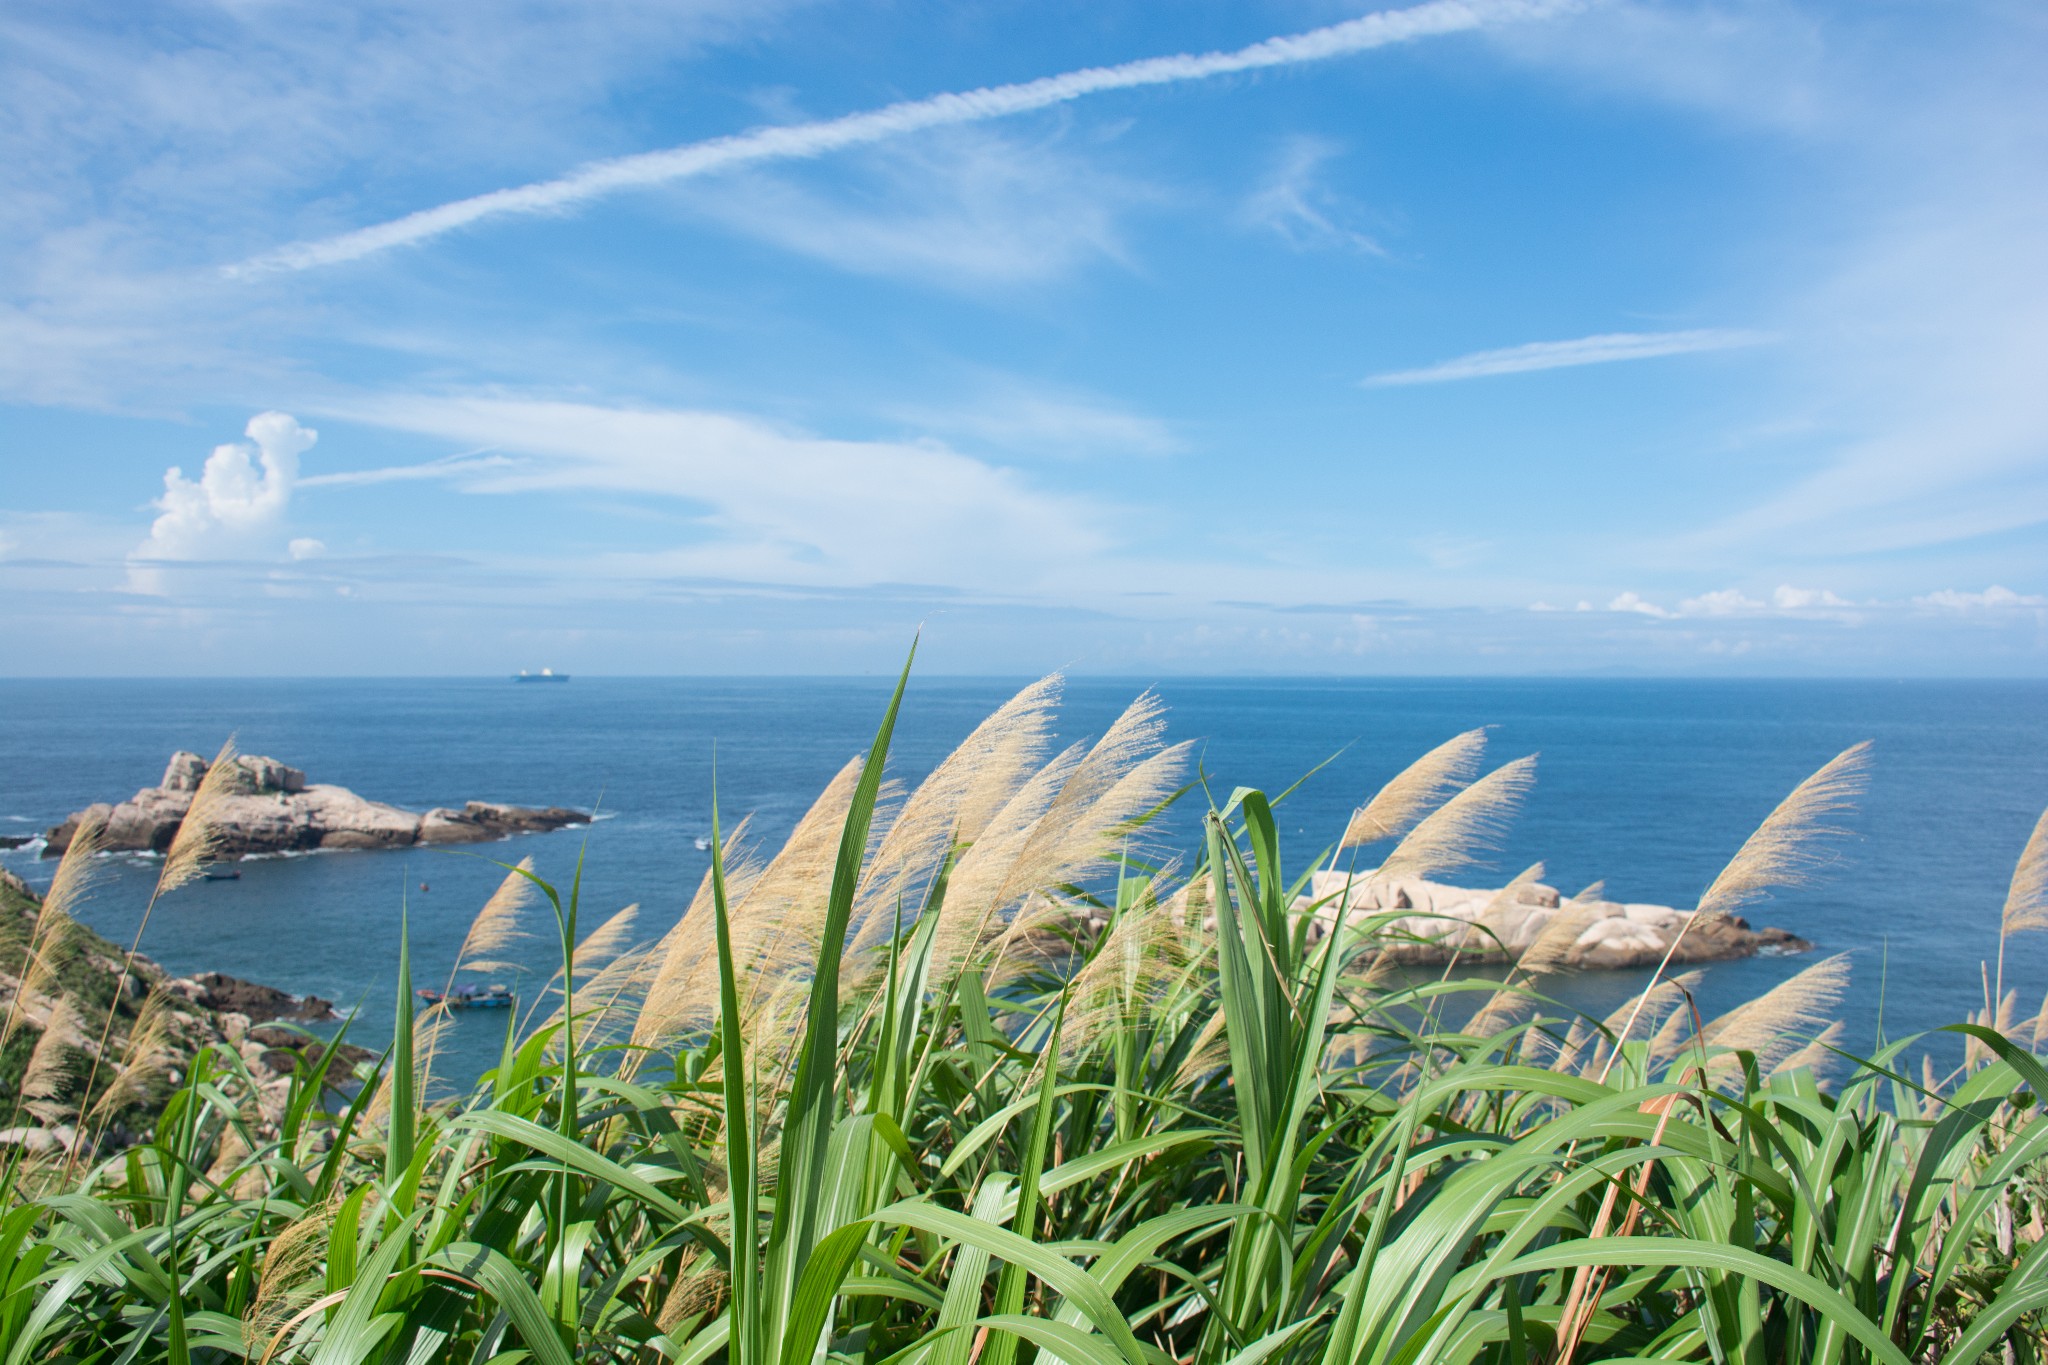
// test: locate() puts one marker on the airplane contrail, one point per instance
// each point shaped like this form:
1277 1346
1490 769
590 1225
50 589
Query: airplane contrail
803 140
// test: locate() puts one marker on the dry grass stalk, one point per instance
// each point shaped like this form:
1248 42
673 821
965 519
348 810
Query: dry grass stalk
1209 1053
1817 1055
1462 830
2026 899
150 1054
1786 848
50 944
954 805
1793 841
1773 1025
699 1289
52 1072
668 1006
2026 902
1074 814
294 1254
778 920
608 941
1416 790
1551 949
1141 956
434 1021
498 925
198 840
1589 1283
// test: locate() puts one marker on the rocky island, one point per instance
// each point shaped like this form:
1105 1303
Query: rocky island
271 808
1436 922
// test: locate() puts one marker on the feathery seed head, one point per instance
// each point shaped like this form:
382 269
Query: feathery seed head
1416 790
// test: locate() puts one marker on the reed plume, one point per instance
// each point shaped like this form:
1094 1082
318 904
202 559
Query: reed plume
433 1021
196 844
198 840
683 959
498 926
1139 957
2026 899
1794 840
954 805
1072 815
52 1071
50 944
150 1053
1817 1056
1416 790
1551 949
1787 848
294 1254
1465 828
1773 1025
606 942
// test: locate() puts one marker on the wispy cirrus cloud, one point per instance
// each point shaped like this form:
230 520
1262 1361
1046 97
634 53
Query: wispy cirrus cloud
803 141
1604 349
1294 204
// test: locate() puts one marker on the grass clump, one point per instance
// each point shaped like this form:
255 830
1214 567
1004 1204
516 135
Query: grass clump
971 1077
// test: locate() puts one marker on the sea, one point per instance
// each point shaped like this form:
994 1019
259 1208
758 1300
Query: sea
1649 785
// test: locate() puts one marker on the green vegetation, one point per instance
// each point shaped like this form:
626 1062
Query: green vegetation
954 1086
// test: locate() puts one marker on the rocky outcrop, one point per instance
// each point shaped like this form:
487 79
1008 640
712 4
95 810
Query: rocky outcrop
1480 926
225 994
259 1022
271 808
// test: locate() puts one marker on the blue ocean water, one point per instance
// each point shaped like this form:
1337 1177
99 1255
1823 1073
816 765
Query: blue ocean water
1650 785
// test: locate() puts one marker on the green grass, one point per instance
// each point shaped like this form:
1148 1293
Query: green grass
1051 1146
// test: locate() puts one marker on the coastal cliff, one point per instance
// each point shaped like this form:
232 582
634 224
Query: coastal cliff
271 808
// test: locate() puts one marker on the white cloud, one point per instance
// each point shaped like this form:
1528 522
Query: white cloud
777 504
1010 415
969 210
1993 598
1789 598
1295 205
1725 602
807 140
1556 355
1635 602
239 498
1917 319
305 547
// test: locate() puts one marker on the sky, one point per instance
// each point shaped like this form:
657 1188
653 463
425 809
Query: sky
1681 337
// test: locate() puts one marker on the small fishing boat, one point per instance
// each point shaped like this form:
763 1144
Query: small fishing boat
545 675
469 997
223 874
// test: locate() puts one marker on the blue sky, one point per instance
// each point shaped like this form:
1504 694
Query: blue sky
1475 336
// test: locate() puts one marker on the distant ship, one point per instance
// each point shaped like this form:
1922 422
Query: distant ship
545 675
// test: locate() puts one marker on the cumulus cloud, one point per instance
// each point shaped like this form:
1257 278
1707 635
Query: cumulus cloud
1993 598
1635 602
1789 598
1725 602
237 504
